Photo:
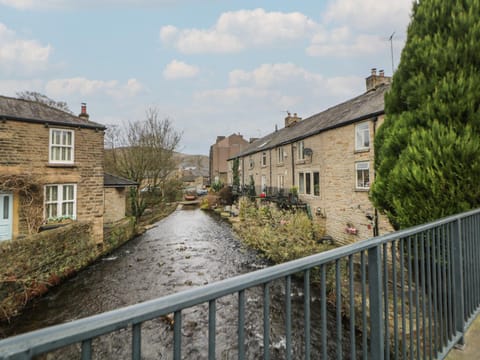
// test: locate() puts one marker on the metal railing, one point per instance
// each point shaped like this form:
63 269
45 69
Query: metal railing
405 295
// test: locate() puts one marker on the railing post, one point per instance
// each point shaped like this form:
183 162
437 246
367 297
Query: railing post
375 300
458 296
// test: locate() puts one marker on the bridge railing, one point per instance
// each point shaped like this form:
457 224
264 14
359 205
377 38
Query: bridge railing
405 295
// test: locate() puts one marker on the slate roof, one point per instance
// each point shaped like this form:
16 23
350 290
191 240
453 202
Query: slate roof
362 107
110 180
31 111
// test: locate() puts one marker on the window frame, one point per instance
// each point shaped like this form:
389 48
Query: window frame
362 134
51 146
316 174
300 149
281 181
60 201
264 158
367 169
301 182
280 155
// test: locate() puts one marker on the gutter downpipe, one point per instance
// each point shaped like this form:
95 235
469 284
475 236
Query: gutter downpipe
293 165
271 183
375 224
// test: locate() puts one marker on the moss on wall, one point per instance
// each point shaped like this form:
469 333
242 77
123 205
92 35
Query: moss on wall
30 266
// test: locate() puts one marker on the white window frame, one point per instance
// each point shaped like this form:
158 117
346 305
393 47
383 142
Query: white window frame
62 145
59 201
281 181
251 163
301 182
362 136
362 166
280 155
300 148
264 158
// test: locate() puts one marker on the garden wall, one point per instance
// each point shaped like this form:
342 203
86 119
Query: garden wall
30 266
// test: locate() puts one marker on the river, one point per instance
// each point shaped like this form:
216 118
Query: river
189 248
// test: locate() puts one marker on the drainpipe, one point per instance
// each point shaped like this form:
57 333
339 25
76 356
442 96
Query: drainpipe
375 224
271 183
293 165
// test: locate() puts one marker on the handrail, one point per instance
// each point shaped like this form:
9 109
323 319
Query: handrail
54 337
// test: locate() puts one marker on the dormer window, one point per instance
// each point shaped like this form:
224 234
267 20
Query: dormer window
61 146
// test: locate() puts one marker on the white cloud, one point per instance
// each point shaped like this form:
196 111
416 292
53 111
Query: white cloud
278 86
11 87
86 87
238 30
370 14
273 75
178 69
21 56
352 28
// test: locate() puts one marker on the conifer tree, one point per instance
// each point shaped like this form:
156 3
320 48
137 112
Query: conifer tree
427 152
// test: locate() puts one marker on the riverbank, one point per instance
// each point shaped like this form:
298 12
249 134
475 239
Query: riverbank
32 266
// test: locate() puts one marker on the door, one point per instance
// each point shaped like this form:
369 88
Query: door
6 215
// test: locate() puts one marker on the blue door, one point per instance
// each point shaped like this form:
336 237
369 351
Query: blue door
6 215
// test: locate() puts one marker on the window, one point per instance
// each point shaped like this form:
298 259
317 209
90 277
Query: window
60 201
300 147
61 146
308 184
301 183
280 155
316 183
362 136
264 158
281 181
363 175
251 164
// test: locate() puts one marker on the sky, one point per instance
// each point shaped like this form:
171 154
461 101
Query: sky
211 67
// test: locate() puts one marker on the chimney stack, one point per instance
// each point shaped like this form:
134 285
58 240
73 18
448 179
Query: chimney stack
83 113
291 120
374 80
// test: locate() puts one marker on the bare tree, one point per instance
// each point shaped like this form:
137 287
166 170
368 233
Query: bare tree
44 99
144 153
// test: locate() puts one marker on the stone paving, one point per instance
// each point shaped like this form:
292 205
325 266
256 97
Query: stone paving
471 350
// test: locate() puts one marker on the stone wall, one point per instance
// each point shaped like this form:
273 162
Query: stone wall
30 266
115 204
33 264
24 149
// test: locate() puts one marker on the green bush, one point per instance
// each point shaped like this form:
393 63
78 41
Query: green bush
279 235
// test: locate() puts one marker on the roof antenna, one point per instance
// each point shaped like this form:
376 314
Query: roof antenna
391 50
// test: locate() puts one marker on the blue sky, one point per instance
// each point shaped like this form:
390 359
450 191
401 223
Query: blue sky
211 67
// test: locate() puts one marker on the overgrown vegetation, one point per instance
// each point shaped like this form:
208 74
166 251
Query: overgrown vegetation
279 235
427 151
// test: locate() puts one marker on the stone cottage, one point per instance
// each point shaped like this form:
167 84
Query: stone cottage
51 168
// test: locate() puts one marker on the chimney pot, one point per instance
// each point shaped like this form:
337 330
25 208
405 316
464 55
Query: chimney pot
374 71
83 111
381 73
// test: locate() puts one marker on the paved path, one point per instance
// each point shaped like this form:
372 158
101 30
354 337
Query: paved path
471 349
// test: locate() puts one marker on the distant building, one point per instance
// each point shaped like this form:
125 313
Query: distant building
220 152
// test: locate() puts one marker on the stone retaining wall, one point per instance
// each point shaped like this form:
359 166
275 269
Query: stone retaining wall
30 266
